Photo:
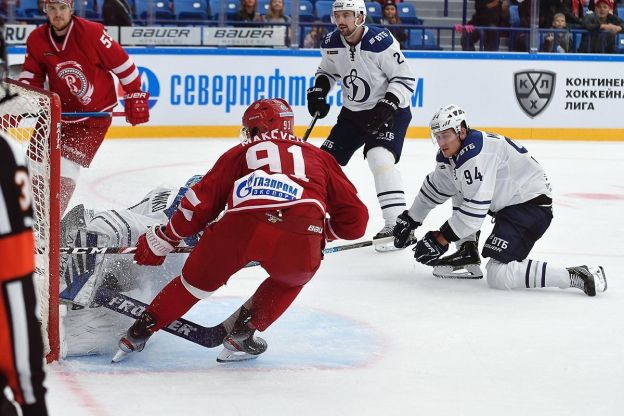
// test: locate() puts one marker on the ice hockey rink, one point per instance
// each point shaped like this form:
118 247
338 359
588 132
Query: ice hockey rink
377 334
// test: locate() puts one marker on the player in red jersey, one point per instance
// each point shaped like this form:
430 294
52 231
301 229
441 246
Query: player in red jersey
77 57
277 190
21 345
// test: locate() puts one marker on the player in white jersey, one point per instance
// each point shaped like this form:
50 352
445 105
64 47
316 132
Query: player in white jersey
377 86
89 328
489 173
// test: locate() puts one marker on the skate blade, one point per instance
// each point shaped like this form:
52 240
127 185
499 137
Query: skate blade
120 355
227 356
600 280
469 271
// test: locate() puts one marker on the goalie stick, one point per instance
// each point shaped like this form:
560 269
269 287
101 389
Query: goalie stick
209 337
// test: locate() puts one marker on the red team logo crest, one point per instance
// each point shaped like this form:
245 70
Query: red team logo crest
71 72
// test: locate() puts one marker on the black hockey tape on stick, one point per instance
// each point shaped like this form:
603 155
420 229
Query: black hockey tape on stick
209 337
310 127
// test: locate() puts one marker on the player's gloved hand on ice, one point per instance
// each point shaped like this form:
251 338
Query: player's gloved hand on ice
428 250
137 107
403 229
317 101
154 245
381 116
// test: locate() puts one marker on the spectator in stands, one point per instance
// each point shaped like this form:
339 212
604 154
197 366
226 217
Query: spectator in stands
487 14
116 13
391 18
314 37
558 41
248 12
614 9
603 28
573 10
275 14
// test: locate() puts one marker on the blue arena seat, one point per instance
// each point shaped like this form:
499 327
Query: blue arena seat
422 39
28 8
324 10
373 10
159 9
190 9
86 8
407 13
514 16
306 9
620 41
231 7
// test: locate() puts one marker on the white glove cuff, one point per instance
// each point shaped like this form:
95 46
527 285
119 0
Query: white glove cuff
158 245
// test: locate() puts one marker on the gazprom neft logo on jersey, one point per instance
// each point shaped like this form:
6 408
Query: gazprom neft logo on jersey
149 83
262 185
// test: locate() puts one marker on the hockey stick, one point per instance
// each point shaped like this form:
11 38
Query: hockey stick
131 250
311 126
208 337
95 114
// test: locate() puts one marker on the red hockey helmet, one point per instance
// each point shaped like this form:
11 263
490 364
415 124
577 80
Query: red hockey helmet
268 114
70 3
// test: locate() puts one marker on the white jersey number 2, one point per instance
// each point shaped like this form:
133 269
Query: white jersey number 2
268 154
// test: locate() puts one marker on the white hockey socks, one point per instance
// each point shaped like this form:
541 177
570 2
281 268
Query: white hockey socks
388 183
526 274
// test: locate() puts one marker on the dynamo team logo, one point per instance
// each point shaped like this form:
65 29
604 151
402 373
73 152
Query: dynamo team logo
149 83
534 89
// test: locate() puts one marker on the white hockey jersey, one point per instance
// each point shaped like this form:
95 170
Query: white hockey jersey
489 173
367 70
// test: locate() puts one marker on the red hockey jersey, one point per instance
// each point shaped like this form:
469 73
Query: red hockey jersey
79 69
274 170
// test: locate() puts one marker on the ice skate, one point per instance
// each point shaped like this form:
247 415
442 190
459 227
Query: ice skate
136 337
384 240
590 280
463 264
241 344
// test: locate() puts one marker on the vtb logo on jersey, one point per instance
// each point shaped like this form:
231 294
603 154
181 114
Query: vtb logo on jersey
534 89
358 87
71 72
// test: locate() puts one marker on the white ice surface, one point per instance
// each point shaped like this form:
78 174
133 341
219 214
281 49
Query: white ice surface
377 334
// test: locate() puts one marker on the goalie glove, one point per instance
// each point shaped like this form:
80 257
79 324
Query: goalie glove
428 250
137 107
403 229
382 115
154 245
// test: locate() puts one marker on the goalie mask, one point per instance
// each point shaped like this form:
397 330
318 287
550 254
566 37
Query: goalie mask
448 117
265 115
356 6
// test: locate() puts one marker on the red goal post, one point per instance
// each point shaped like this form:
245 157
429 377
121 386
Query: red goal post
33 118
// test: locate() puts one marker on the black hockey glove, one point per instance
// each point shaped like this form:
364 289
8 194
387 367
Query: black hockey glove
381 116
428 250
403 230
316 97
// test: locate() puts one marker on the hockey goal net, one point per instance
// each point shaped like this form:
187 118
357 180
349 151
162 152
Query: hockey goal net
32 118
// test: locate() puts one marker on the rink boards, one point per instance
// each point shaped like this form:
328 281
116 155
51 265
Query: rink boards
202 92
